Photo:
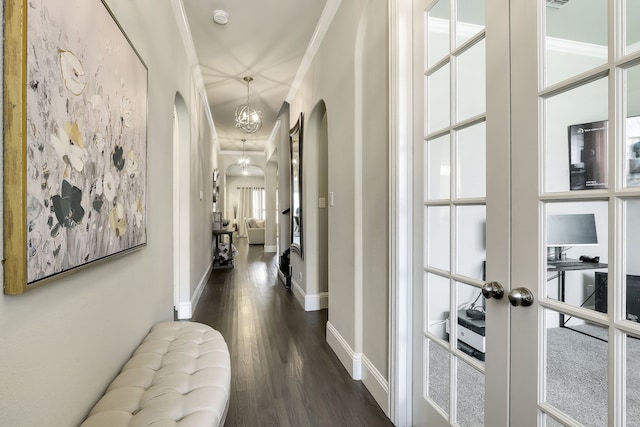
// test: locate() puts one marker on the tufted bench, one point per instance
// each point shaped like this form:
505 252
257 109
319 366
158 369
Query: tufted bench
180 375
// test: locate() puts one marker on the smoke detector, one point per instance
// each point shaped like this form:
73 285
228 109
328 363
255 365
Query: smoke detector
556 4
220 16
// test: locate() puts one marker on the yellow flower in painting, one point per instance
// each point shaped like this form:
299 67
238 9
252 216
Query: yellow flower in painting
126 109
69 145
75 136
117 221
136 207
72 72
132 163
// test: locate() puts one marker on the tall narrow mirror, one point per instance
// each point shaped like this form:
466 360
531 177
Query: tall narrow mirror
295 138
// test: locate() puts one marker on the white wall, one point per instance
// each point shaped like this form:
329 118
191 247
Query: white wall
62 343
349 74
232 194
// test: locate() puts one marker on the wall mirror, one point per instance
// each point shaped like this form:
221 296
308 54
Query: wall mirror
295 138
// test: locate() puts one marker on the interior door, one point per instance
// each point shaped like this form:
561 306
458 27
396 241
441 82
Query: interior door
575 209
460 340
558 210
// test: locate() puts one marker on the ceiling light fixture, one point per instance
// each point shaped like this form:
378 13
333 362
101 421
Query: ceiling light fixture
244 160
248 118
220 16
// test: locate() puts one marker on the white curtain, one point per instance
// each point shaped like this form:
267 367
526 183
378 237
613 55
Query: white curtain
250 205
245 208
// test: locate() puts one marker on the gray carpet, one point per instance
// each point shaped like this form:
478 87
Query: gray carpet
577 377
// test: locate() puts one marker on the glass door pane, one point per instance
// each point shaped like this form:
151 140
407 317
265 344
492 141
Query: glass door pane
574 211
576 38
454 221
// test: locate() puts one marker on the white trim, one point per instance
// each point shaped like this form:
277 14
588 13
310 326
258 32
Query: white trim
376 383
329 11
195 299
359 367
349 359
190 49
270 248
400 211
576 48
358 187
185 309
310 302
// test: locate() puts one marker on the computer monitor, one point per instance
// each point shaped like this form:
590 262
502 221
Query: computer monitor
571 230
633 295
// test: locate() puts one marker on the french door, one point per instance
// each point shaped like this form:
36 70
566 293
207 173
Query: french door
526 300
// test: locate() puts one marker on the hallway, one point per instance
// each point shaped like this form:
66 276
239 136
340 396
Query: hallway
283 371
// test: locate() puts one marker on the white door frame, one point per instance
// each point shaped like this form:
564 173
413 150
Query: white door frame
181 224
400 209
401 214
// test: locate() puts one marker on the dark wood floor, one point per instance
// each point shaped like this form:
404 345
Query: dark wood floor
283 371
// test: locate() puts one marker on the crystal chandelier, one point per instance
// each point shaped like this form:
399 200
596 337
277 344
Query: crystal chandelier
244 161
248 119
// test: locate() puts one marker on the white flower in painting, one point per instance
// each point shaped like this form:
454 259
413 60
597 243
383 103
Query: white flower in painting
96 101
69 145
126 110
132 163
109 186
117 221
72 72
99 141
99 187
136 208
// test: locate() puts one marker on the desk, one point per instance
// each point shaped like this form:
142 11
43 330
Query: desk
569 265
218 260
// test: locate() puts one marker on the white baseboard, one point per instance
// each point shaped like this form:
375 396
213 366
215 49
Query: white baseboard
376 383
185 309
360 368
346 355
310 302
270 248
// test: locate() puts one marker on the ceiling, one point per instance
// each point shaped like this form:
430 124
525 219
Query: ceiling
266 40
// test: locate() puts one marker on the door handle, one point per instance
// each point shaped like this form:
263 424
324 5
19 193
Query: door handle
492 290
520 296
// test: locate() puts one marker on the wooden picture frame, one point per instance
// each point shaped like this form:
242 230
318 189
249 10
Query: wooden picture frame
75 140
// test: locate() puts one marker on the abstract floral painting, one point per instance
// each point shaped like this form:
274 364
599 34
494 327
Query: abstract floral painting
86 138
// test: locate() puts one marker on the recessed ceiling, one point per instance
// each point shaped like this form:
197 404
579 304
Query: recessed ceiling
265 40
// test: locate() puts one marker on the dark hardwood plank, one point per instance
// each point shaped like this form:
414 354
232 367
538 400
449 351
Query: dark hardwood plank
283 372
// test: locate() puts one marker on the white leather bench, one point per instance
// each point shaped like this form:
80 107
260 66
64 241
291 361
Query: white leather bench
180 375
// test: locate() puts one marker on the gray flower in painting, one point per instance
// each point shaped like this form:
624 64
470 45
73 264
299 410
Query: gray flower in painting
118 157
72 72
67 206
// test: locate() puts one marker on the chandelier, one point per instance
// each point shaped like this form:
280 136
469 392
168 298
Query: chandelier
248 119
244 161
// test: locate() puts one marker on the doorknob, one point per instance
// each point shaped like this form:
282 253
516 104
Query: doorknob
520 296
492 290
